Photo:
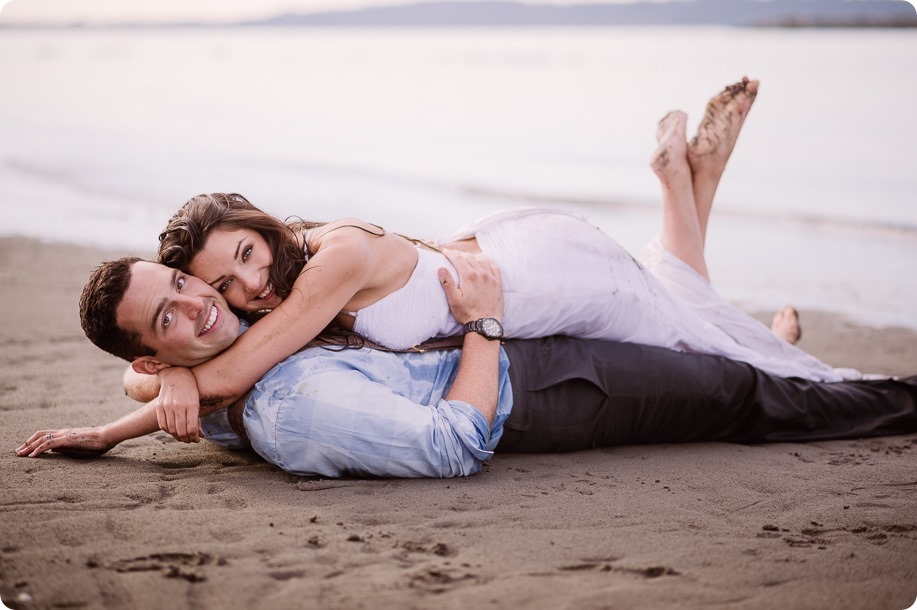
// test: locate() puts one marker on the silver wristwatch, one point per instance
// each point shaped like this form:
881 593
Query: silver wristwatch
490 328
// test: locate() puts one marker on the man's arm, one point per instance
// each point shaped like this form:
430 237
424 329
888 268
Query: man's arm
92 441
173 389
480 295
139 386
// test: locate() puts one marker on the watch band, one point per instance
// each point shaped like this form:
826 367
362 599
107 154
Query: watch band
472 327
489 328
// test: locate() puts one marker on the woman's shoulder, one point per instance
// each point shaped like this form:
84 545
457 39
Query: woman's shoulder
355 244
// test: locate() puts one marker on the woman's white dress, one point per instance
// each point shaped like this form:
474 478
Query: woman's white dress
563 276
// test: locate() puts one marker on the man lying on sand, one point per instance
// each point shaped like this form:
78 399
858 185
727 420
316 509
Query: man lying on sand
441 413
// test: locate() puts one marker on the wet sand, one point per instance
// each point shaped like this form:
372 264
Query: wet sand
158 523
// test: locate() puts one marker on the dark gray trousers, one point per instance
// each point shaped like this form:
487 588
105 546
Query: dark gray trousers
572 394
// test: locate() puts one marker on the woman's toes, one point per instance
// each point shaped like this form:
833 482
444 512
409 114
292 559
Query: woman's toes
786 324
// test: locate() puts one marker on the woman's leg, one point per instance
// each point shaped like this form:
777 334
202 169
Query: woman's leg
709 150
681 231
690 173
686 209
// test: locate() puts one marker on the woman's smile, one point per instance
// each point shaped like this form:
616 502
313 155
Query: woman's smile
237 264
267 291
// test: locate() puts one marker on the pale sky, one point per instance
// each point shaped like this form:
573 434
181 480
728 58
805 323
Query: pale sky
106 11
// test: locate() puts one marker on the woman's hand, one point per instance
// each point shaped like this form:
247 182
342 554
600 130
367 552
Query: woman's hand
80 442
178 405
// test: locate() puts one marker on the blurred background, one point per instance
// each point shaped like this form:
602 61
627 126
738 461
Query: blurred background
424 116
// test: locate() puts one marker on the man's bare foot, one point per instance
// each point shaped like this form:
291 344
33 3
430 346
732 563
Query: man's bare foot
716 136
786 325
669 160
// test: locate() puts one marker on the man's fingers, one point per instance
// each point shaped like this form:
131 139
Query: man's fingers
161 419
21 448
448 284
466 262
35 438
46 445
181 428
188 427
42 442
172 425
25 447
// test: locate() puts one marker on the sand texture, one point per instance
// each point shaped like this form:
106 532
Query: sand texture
156 523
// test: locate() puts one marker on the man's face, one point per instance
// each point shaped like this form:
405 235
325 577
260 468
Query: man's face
185 320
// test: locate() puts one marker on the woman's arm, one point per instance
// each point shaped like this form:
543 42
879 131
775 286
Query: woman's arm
348 262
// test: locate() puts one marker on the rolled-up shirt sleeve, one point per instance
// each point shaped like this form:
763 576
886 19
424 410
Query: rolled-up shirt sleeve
343 422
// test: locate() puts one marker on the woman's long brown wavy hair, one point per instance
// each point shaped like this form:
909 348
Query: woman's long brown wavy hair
191 226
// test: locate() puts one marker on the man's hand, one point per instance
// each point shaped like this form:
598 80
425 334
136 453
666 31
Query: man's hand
178 405
81 442
480 294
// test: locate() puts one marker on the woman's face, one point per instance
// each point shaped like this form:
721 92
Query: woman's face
236 262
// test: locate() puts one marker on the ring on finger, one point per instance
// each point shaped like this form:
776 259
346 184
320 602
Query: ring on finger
49 436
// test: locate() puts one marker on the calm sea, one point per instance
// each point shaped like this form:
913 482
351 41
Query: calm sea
105 133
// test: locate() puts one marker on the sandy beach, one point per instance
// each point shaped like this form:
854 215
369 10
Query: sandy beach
157 523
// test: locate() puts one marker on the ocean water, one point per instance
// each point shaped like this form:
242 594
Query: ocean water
104 133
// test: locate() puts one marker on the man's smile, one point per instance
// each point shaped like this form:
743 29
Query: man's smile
211 321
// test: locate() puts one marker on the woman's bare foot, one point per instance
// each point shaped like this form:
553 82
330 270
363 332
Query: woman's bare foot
786 325
716 136
669 160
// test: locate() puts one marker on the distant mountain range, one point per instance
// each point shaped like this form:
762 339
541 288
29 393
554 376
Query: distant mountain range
676 12
503 13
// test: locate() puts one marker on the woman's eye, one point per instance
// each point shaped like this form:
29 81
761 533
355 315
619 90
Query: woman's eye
246 253
166 319
224 286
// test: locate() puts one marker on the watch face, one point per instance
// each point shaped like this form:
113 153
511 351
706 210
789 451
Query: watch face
491 328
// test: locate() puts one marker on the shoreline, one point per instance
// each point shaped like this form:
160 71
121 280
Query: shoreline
819 525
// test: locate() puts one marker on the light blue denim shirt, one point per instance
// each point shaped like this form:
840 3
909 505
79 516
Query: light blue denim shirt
370 413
